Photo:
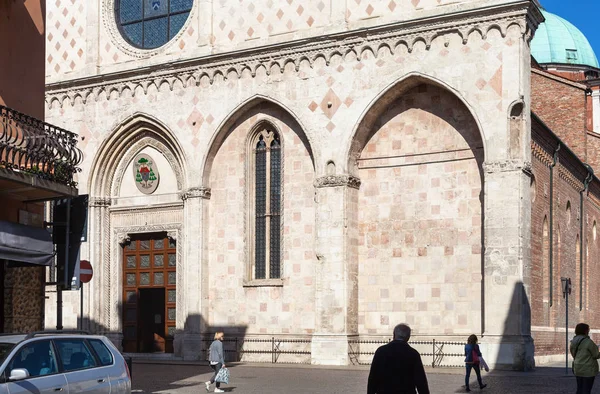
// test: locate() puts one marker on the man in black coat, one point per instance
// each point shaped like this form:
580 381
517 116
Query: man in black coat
397 368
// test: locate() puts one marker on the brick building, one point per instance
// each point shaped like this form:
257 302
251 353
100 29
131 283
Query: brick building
321 171
37 163
565 209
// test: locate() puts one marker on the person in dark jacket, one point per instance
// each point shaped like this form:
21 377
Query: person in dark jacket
216 359
397 367
472 357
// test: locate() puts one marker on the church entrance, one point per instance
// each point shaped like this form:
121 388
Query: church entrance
149 294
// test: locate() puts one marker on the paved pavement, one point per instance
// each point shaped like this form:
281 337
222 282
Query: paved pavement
300 379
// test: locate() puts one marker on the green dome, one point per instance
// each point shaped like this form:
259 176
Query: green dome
558 41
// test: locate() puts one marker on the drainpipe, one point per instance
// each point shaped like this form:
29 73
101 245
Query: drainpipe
554 160
586 184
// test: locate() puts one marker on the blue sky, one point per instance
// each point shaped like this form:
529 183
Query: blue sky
581 13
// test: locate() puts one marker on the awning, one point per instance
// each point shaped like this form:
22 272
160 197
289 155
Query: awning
25 244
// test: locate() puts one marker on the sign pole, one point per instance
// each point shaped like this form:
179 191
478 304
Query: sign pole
81 305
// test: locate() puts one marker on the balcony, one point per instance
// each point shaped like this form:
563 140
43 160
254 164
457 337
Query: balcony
38 161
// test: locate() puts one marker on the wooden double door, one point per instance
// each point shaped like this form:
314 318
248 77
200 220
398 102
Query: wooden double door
149 294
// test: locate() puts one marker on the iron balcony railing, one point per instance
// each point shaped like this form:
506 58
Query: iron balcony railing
35 147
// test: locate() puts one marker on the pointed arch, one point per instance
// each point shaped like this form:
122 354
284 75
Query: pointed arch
241 112
128 137
368 119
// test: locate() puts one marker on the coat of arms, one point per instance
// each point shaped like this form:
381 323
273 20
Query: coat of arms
146 174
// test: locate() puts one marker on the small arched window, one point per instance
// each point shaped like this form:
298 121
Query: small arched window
149 24
267 204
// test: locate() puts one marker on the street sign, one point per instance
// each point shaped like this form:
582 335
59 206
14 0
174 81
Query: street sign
85 271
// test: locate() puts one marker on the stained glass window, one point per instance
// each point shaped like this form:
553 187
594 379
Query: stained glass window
267 200
261 203
149 24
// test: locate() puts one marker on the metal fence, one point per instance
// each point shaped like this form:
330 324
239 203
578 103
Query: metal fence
437 354
39 148
268 350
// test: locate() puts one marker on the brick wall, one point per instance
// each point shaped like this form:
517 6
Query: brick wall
561 104
548 321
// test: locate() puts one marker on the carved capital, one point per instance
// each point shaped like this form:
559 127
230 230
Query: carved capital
100 202
196 192
338 180
528 169
491 167
123 239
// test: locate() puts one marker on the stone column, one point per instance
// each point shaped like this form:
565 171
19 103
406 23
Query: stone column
99 253
507 338
336 297
192 291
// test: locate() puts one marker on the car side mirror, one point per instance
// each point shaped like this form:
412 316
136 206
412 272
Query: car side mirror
18 374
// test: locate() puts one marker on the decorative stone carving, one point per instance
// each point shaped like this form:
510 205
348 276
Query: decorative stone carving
100 202
172 235
528 169
196 192
145 173
338 180
123 239
388 38
505 166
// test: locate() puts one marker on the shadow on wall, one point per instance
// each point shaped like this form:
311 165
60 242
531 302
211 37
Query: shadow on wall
516 347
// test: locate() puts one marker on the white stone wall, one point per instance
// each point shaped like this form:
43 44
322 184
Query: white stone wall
328 95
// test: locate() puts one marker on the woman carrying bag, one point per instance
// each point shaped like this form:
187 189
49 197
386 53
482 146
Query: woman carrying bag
473 359
217 361
585 353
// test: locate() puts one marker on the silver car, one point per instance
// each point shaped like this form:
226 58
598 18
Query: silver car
61 362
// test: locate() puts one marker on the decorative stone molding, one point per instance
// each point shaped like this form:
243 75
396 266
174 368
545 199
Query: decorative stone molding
196 192
338 180
506 166
100 202
110 24
350 45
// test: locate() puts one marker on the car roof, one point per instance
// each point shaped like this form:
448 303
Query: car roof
17 338
12 338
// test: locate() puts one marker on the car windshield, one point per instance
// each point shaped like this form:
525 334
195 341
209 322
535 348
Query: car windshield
5 348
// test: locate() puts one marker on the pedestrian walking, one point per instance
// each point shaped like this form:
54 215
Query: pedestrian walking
397 367
216 359
585 353
473 360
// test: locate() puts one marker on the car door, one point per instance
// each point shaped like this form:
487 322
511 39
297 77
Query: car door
39 359
83 372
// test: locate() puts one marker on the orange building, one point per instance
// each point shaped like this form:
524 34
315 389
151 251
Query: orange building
37 163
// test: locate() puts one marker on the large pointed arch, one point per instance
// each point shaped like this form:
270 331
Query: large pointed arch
253 105
368 119
134 132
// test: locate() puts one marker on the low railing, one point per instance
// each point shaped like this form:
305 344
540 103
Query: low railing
437 354
35 147
270 350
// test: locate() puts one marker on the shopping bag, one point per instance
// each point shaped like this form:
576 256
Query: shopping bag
484 364
222 376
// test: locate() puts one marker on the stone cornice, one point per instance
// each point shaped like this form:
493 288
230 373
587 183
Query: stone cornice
376 40
337 180
196 192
